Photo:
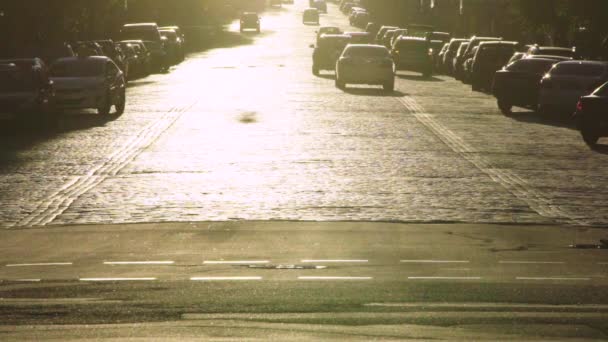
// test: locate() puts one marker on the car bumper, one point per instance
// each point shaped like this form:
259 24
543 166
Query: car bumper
79 100
362 75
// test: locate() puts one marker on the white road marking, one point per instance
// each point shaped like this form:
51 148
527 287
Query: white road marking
444 278
530 262
41 264
138 262
335 278
334 261
117 279
435 261
224 278
235 262
553 278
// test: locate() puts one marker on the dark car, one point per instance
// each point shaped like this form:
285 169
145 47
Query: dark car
115 53
592 115
518 83
328 50
450 53
443 36
149 34
413 54
458 61
26 91
250 21
382 31
320 5
372 28
419 30
469 53
489 58
310 16
142 56
174 46
360 19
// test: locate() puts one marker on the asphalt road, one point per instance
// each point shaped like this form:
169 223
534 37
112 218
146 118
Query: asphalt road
252 155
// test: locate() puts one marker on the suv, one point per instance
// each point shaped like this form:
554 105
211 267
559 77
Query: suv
250 21
26 90
413 54
310 15
150 35
328 50
489 58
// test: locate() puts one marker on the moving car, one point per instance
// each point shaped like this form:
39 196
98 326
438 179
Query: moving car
490 57
592 115
328 50
89 82
413 54
26 91
518 83
250 21
566 82
310 16
320 5
150 35
365 64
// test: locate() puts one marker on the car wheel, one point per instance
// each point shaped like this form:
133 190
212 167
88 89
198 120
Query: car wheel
122 102
505 107
340 84
105 106
315 70
590 137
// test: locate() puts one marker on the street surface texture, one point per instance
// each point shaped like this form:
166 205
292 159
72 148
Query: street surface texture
247 132
176 220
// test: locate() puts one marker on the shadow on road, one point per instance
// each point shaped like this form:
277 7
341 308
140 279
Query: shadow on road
327 76
601 148
419 78
557 120
373 92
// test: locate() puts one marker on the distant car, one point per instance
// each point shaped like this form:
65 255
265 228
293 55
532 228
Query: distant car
458 61
115 53
328 50
372 28
467 67
518 83
88 48
566 82
150 35
310 16
398 34
143 57
131 60
450 53
173 45
443 36
592 115
381 32
413 54
320 5
26 91
365 64
436 47
360 37
327 30
419 30
361 19
489 58
552 51
388 38
181 38
469 53
250 21
89 82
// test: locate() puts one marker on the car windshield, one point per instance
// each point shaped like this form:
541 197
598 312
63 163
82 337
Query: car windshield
578 69
366 51
13 78
77 68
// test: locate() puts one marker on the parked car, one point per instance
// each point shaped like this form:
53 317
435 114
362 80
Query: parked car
469 53
552 51
89 82
448 57
250 21
381 32
372 29
413 54
566 82
438 64
360 37
328 50
131 60
310 16
458 61
467 67
419 30
436 46
51 52
115 53
175 49
144 58
150 35
516 56
88 48
489 58
320 5
398 34
388 38
518 83
26 91
365 64
443 36
181 38
592 115
327 30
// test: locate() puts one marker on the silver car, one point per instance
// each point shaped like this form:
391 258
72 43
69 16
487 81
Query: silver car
365 64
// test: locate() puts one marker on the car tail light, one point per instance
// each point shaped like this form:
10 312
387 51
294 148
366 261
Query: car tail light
430 52
579 106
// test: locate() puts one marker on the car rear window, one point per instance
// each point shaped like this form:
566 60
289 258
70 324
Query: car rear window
16 79
578 69
412 46
366 51
333 43
77 68
533 66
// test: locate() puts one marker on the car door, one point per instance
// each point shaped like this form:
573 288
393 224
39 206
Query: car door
114 79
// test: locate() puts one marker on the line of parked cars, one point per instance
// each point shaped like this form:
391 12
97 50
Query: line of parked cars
36 86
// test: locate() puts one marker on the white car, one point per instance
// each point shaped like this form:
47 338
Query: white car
89 82
566 82
365 64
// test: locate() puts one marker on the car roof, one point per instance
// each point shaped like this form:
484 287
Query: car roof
552 48
498 43
570 62
412 38
563 58
334 36
370 46
357 33
92 59
140 25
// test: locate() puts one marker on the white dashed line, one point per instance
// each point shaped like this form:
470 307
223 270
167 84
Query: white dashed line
530 262
335 278
435 261
138 262
117 279
444 278
41 264
224 278
334 261
554 278
235 262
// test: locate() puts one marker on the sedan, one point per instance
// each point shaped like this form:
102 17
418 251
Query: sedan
591 115
365 64
89 82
